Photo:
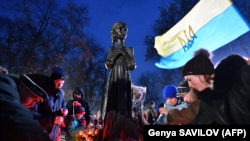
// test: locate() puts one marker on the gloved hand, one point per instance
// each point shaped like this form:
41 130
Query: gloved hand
58 120
83 122
163 110
76 103
64 112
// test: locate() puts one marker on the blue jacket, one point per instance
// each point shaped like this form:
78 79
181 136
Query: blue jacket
73 126
46 111
162 118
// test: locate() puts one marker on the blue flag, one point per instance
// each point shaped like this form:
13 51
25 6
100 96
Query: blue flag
209 25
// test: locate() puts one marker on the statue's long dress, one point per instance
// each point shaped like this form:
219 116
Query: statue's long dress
119 96
118 121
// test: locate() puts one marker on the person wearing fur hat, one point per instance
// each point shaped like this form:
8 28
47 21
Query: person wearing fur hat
186 114
18 92
52 111
227 88
78 95
171 102
75 122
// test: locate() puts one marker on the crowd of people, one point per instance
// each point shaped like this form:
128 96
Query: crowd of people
218 95
208 94
33 107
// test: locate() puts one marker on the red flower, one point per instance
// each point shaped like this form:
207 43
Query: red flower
76 103
83 122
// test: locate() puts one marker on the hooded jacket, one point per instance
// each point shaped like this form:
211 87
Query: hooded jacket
17 123
84 103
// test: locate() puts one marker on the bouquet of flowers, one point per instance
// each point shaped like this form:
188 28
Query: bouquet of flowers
88 134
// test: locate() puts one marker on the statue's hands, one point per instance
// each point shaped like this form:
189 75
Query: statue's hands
122 51
109 64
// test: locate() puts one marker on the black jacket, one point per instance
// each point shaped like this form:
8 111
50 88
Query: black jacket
84 103
46 111
16 121
230 99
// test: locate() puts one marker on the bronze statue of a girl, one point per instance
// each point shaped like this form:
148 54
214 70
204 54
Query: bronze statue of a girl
118 122
120 61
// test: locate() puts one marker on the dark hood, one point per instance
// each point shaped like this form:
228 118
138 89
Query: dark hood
225 74
80 90
8 87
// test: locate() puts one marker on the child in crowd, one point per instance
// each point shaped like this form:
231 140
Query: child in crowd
184 115
75 123
171 102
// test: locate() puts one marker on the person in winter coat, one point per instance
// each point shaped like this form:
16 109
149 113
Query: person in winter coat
184 115
150 113
228 101
75 123
78 95
51 112
18 93
172 102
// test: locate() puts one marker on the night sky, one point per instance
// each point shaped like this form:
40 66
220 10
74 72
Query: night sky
139 15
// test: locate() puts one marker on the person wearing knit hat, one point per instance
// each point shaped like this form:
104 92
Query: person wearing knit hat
78 109
76 122
226 89
171 102
169 91
78 95
169 94
185 115
18 92
54 109
199 71
200 64
57 74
